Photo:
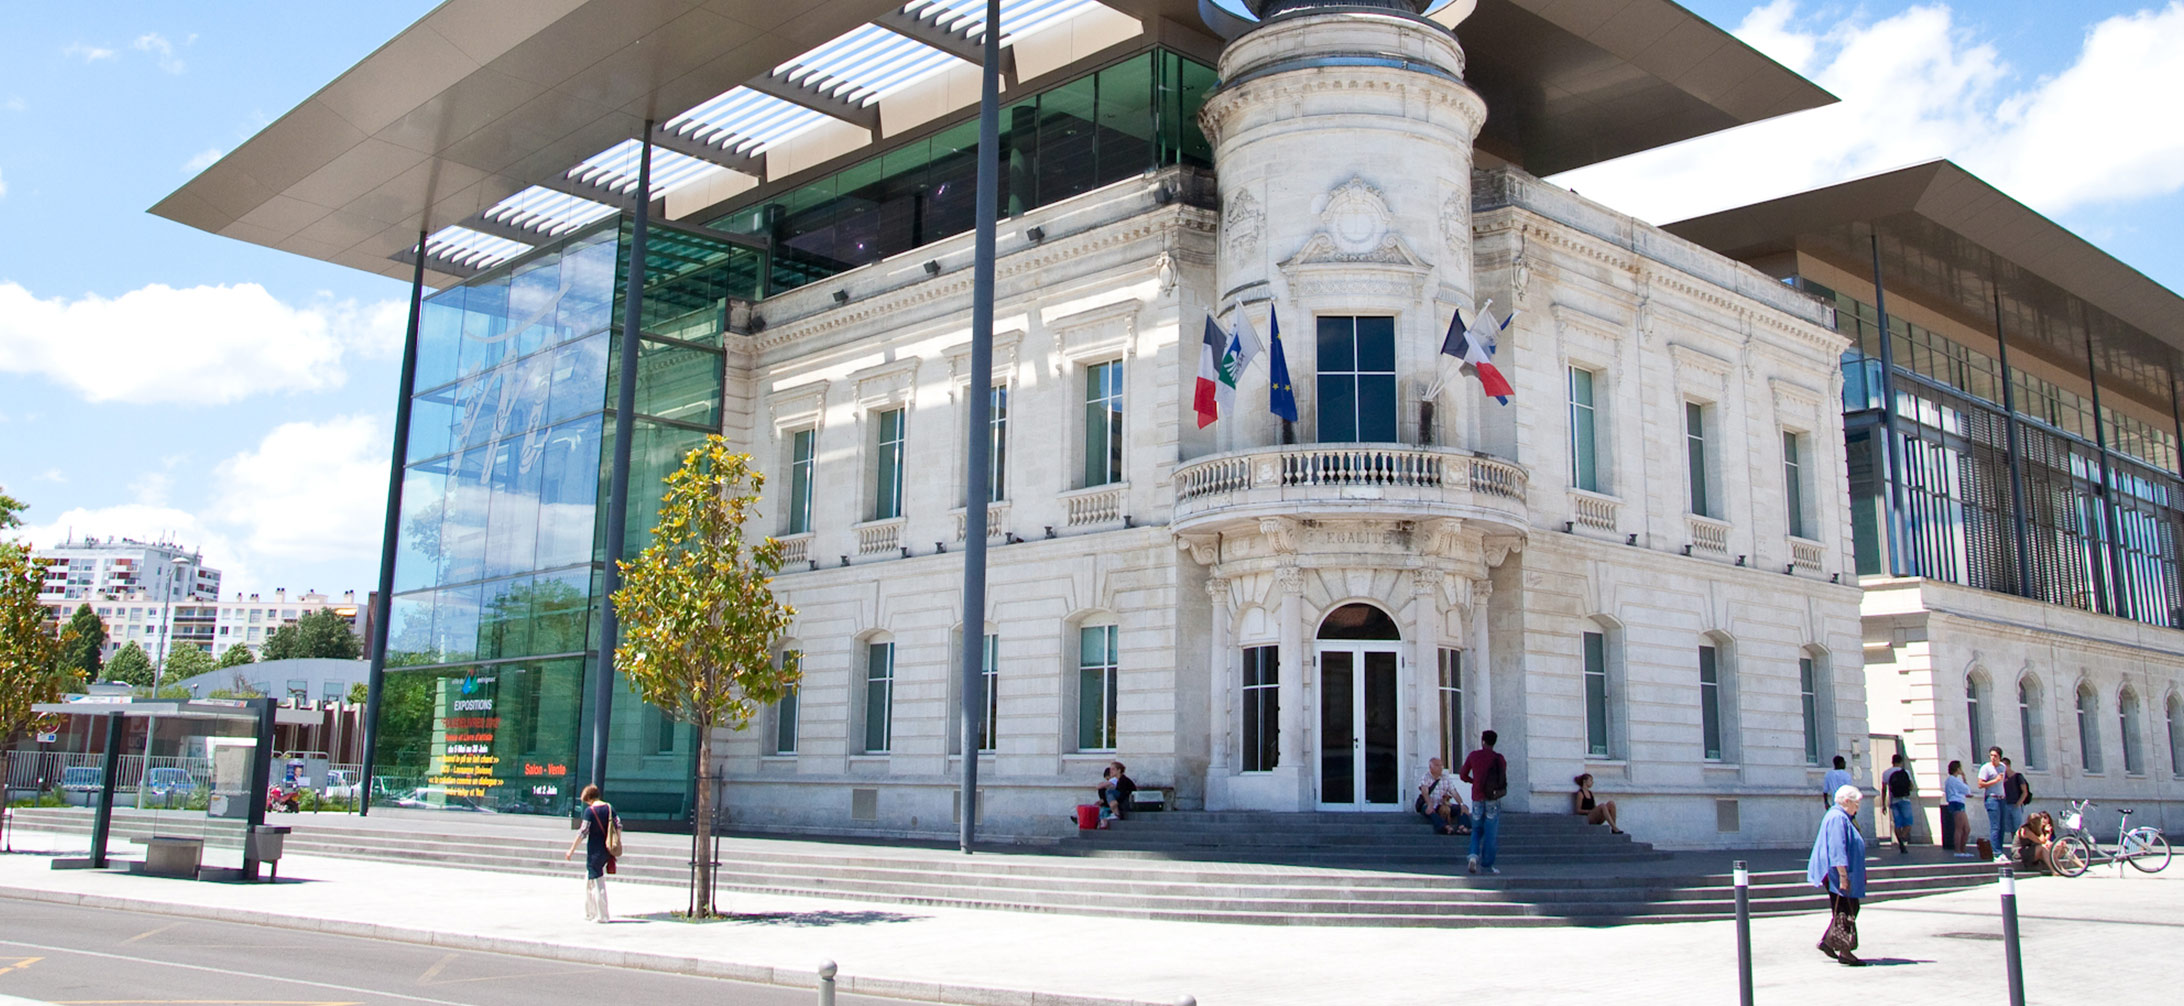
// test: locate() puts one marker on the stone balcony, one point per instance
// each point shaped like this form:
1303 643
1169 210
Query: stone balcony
1374 481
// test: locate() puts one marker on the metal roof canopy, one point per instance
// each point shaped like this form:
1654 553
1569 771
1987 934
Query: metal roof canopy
185 709
481 100
1958 241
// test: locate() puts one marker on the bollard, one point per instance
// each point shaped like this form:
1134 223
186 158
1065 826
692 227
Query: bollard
2015 962
826 983
1186 1001
1744 933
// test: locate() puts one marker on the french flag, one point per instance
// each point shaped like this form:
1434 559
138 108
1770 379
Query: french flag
1205 397
1473 347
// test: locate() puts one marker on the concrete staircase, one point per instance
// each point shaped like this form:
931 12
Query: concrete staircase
1254 869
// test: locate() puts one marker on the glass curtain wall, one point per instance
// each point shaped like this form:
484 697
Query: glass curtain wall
1956 484
492 630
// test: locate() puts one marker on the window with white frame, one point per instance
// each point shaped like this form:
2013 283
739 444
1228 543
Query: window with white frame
888 428
2029 732
1595 646
997 440
1356 380
1713 731
2176 735
2089 730
1975 712
1695 458
803 454
1097 689
1451 695
1103 424
785 721
1808 703
1262 704
2127 711
1584 431
879 697
1793 484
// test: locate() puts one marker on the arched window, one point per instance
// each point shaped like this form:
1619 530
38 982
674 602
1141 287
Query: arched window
2127 710
1718 698
1976 703
2176 735
2031 732
2089 730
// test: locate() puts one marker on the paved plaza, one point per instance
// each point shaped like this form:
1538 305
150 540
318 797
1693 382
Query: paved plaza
2096 938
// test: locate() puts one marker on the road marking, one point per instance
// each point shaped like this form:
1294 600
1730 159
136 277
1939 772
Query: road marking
434 971
150 933
230 972
199 1002
19 963
525 975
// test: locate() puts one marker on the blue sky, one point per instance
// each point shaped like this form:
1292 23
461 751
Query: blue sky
159 381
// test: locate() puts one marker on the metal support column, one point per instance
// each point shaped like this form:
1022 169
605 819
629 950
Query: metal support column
625 428
1892 504
976 494
261 779
2016 455
390 533
102 818
2105 495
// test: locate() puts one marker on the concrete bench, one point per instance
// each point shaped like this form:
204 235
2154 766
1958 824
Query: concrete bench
172 857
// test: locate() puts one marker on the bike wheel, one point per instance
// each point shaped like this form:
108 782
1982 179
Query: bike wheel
2147 850
2069 856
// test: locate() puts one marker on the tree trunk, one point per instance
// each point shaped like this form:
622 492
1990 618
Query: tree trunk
702 825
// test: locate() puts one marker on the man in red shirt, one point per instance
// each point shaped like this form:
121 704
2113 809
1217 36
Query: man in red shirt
1488 774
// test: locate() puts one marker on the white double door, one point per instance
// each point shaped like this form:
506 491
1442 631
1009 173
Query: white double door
1360 725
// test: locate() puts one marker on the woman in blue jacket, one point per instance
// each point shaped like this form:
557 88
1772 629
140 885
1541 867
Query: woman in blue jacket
1838 867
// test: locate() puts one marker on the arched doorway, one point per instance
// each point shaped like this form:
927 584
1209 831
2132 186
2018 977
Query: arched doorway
1358 650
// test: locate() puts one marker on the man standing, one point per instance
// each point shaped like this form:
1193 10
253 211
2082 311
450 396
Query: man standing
1991 777
1837 778
1488 774
1899 787
1438 798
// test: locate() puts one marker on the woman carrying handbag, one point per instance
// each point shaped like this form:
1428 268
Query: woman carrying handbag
1838 867
600 832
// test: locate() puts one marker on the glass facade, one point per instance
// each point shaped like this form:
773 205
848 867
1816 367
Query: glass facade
1121 121
492 631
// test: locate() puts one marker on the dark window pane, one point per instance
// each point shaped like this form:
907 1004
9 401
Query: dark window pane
1376 344
1376 408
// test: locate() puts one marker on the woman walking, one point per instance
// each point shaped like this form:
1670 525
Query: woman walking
1838 867
592 832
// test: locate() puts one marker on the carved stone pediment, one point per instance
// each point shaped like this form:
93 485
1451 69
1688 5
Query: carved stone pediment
1356 251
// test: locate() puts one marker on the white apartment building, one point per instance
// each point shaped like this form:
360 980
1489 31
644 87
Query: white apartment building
82 569
207 624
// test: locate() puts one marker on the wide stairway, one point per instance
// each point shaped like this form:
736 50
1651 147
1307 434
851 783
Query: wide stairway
1266 869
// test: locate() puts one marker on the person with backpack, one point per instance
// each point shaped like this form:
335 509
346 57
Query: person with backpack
2016 797
1900 787
600 833
1488 774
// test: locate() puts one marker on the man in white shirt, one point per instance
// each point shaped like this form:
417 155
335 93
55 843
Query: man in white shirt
1991 778
1439 798
1837 778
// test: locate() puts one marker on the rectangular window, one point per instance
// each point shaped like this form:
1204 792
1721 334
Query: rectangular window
887 465
1356 380
998 429
1096 688
989 726
1584 444
1695 450
1262 735
1710 702
663 732
879 706
1808 695
785 722
1596 694
1451 701
803 446
1793 483
1103 423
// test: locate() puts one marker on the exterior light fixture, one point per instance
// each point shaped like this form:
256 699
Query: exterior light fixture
1631 538
1569 527
932 267
845 560
906 551
1126 521
841 296
1050 530
1009 538
1740 560
1687 550
940 547
1034 234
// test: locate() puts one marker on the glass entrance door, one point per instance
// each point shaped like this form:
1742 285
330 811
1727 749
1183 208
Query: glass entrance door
1359 754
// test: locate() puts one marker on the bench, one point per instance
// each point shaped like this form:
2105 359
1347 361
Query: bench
172 857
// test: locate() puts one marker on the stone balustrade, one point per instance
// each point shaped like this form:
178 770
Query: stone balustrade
1384 480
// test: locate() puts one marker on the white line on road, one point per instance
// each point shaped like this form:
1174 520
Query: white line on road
232 973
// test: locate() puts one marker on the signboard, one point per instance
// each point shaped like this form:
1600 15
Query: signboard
48 737
465 765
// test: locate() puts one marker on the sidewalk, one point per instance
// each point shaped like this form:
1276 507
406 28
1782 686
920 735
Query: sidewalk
2096 937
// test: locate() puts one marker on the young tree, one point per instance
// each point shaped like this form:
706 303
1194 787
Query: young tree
237 655
187 661
700 625
87 650
30 655
131 666
321 633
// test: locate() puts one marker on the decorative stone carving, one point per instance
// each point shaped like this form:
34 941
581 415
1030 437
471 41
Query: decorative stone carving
1290 578
1204 549
1243 223
1500 547
1456 221
1427 583
1217 591
1356 218
1281 534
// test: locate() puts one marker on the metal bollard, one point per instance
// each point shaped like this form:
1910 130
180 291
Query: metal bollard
2016 963
1186 1001
1744 933
826 983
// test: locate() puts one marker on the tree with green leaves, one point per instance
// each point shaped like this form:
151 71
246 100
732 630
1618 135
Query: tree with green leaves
321 633
236 655
87 650
31 670
130 666
185 660
701 629
358 693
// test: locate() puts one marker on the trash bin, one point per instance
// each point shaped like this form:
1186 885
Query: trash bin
1088 816
266 844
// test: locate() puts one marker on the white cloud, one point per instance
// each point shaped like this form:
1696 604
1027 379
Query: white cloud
3 186
204 344
1916 86
204 159
308 491
15 103
88 53
52 475
161 50
144 522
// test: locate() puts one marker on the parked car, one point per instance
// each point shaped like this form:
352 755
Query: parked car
80 785
341 784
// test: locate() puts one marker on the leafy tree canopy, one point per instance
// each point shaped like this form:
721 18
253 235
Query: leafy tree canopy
237 655
131 666
321 633
187 661
86 650
358 693
31 670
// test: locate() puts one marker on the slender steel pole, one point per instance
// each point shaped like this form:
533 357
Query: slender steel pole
1893 503
376 676
979 448
2013 959
2025 586
102 817
625 429
261 779
1744 933
2105 495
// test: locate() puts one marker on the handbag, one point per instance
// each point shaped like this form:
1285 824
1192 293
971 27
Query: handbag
614 835
1842 934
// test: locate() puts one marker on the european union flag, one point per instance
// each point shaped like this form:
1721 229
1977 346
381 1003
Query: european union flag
1281 398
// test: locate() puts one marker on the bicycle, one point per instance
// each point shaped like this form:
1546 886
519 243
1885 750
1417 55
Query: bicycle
2075 849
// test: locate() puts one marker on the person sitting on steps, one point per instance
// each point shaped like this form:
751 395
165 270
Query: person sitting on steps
1595 811
1116 789
1440 802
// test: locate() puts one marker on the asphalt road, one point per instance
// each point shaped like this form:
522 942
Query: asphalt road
106 957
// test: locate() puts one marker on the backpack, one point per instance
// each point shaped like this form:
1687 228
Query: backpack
1496 784
1900 786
